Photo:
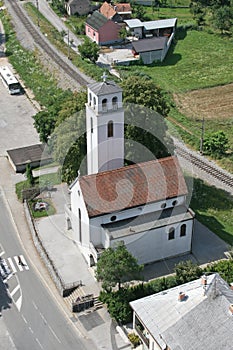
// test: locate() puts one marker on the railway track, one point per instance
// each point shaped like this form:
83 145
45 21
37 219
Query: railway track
39 40
208 168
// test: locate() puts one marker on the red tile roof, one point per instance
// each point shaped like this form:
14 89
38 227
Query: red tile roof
107 10
132 186
123 7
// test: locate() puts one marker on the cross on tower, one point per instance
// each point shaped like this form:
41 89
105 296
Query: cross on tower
104 77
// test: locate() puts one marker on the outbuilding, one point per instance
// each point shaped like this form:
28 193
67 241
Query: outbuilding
150 50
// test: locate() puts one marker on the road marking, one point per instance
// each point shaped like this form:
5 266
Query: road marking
15 290
17 263
43 318
25 265
12 265
35 306
2 253
30 330
24 319
54 334
39 343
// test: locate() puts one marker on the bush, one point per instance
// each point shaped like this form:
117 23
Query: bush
134 339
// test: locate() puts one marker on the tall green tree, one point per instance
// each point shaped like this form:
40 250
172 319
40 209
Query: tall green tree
223 19
29 174
116 266
89 50
146 135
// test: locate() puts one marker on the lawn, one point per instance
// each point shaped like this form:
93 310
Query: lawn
198 60
214 208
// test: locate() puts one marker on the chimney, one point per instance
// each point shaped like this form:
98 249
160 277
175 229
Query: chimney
204 280
231 309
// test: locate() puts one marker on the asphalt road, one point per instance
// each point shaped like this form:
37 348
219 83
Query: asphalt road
16 122
32 317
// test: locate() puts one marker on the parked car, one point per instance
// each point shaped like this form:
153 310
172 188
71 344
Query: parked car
41 206
5 271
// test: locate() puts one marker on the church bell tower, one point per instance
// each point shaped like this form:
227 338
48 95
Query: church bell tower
105 127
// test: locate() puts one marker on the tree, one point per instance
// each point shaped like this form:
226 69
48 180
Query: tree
29 174
216 144
115 266
123 33
139 12
187 271
146 134
198 11
223 19
89 50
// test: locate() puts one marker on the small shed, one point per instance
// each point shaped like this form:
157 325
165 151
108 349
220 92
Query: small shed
80 7
35 155
102 30
150 50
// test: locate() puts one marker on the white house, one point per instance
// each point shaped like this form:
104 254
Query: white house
195 315
143 205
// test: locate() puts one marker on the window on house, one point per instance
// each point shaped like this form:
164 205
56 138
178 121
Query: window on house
90 98
80 225
104 105
94 100
163 205
114 103
175 202
183 230
110 128
171 233
91 125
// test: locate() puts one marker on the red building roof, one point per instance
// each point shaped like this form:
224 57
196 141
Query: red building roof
132 186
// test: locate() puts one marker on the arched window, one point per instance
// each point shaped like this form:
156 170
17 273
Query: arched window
110 128
114 102
171 233
94 100
183 230
104 105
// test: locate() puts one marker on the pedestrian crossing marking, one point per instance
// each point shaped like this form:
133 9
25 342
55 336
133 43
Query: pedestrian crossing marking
17 263
12 265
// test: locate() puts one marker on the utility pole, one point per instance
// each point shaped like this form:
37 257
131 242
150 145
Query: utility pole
68 39
202 135
38 19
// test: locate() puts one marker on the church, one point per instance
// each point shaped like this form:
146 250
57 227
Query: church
142 205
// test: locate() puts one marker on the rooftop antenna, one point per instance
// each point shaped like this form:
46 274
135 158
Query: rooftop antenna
104 77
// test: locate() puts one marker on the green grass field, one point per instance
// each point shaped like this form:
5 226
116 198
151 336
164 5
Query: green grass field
198 60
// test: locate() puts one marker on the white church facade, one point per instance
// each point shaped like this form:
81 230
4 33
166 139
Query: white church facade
143 205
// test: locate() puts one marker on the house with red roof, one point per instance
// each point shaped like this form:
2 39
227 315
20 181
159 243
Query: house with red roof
117 12
143 205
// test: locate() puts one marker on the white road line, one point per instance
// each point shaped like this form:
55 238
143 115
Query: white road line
55 334
43 318
14 290
12 265
39 343
30 330
19 266
18 303
24 319
25 265
35 306
2 253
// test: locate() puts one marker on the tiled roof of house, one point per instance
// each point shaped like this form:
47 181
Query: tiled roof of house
132 186
105 87
97 20
107 10
201 321
122 8
153 44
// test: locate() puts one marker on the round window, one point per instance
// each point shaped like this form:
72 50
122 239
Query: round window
163 205
113 218
174 203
